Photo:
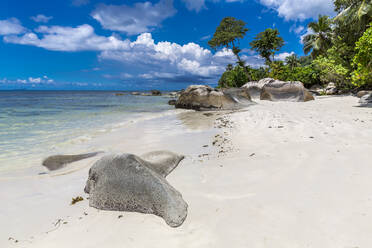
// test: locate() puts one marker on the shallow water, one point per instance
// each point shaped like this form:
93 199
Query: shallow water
34 124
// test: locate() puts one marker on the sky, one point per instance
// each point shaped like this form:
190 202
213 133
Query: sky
136 45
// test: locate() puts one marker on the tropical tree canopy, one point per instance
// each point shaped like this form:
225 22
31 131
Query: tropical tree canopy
320 39
267 43
228 33
292 61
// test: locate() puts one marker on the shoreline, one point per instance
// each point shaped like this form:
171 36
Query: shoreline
289 174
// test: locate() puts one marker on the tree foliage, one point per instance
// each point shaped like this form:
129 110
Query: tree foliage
228 34
362 76
267 43
319 41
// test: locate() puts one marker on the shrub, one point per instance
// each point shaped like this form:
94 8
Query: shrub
362 75
236 77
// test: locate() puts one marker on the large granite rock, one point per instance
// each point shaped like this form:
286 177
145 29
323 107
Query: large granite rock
363 93
366 100
56 162
203 97
255 88
285 91
127 182
155 93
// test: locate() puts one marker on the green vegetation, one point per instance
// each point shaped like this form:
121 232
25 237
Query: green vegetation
340 50
320 40
362 75
228 34
267 43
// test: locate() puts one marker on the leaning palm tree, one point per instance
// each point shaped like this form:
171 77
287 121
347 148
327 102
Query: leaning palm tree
319 40
353 18
292 61
357 13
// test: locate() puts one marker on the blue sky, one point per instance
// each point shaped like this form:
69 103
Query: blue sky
131 45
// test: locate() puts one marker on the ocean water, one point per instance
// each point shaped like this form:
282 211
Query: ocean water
36 123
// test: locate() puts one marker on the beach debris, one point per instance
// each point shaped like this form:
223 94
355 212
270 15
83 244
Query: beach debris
252 154
120 216
76 199
59 161
13 239
205 146
126 182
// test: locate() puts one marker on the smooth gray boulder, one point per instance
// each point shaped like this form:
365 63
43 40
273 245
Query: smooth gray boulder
285 91
254 88
363 93
366 100
203 97
56 162
127 182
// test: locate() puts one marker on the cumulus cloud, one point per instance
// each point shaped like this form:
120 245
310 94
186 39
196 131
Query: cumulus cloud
41 18
170 60
282 56
297 29
11 26
151 60
59 38
300 9
136 19
195 5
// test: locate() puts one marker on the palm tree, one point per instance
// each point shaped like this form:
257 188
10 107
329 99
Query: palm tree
357 13
352 19
292 61
319 40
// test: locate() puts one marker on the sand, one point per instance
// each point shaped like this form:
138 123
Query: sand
279 175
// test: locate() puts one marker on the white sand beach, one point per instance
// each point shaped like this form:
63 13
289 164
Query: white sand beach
280 175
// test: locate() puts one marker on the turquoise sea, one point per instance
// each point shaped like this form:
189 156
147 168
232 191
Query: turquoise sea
35 123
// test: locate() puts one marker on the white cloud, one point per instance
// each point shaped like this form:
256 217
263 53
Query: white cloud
136 19
196 5
79 3
282 56
164 59
151 60
30 80
11 26
308 31
300 9
59 38
41 18
296 29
